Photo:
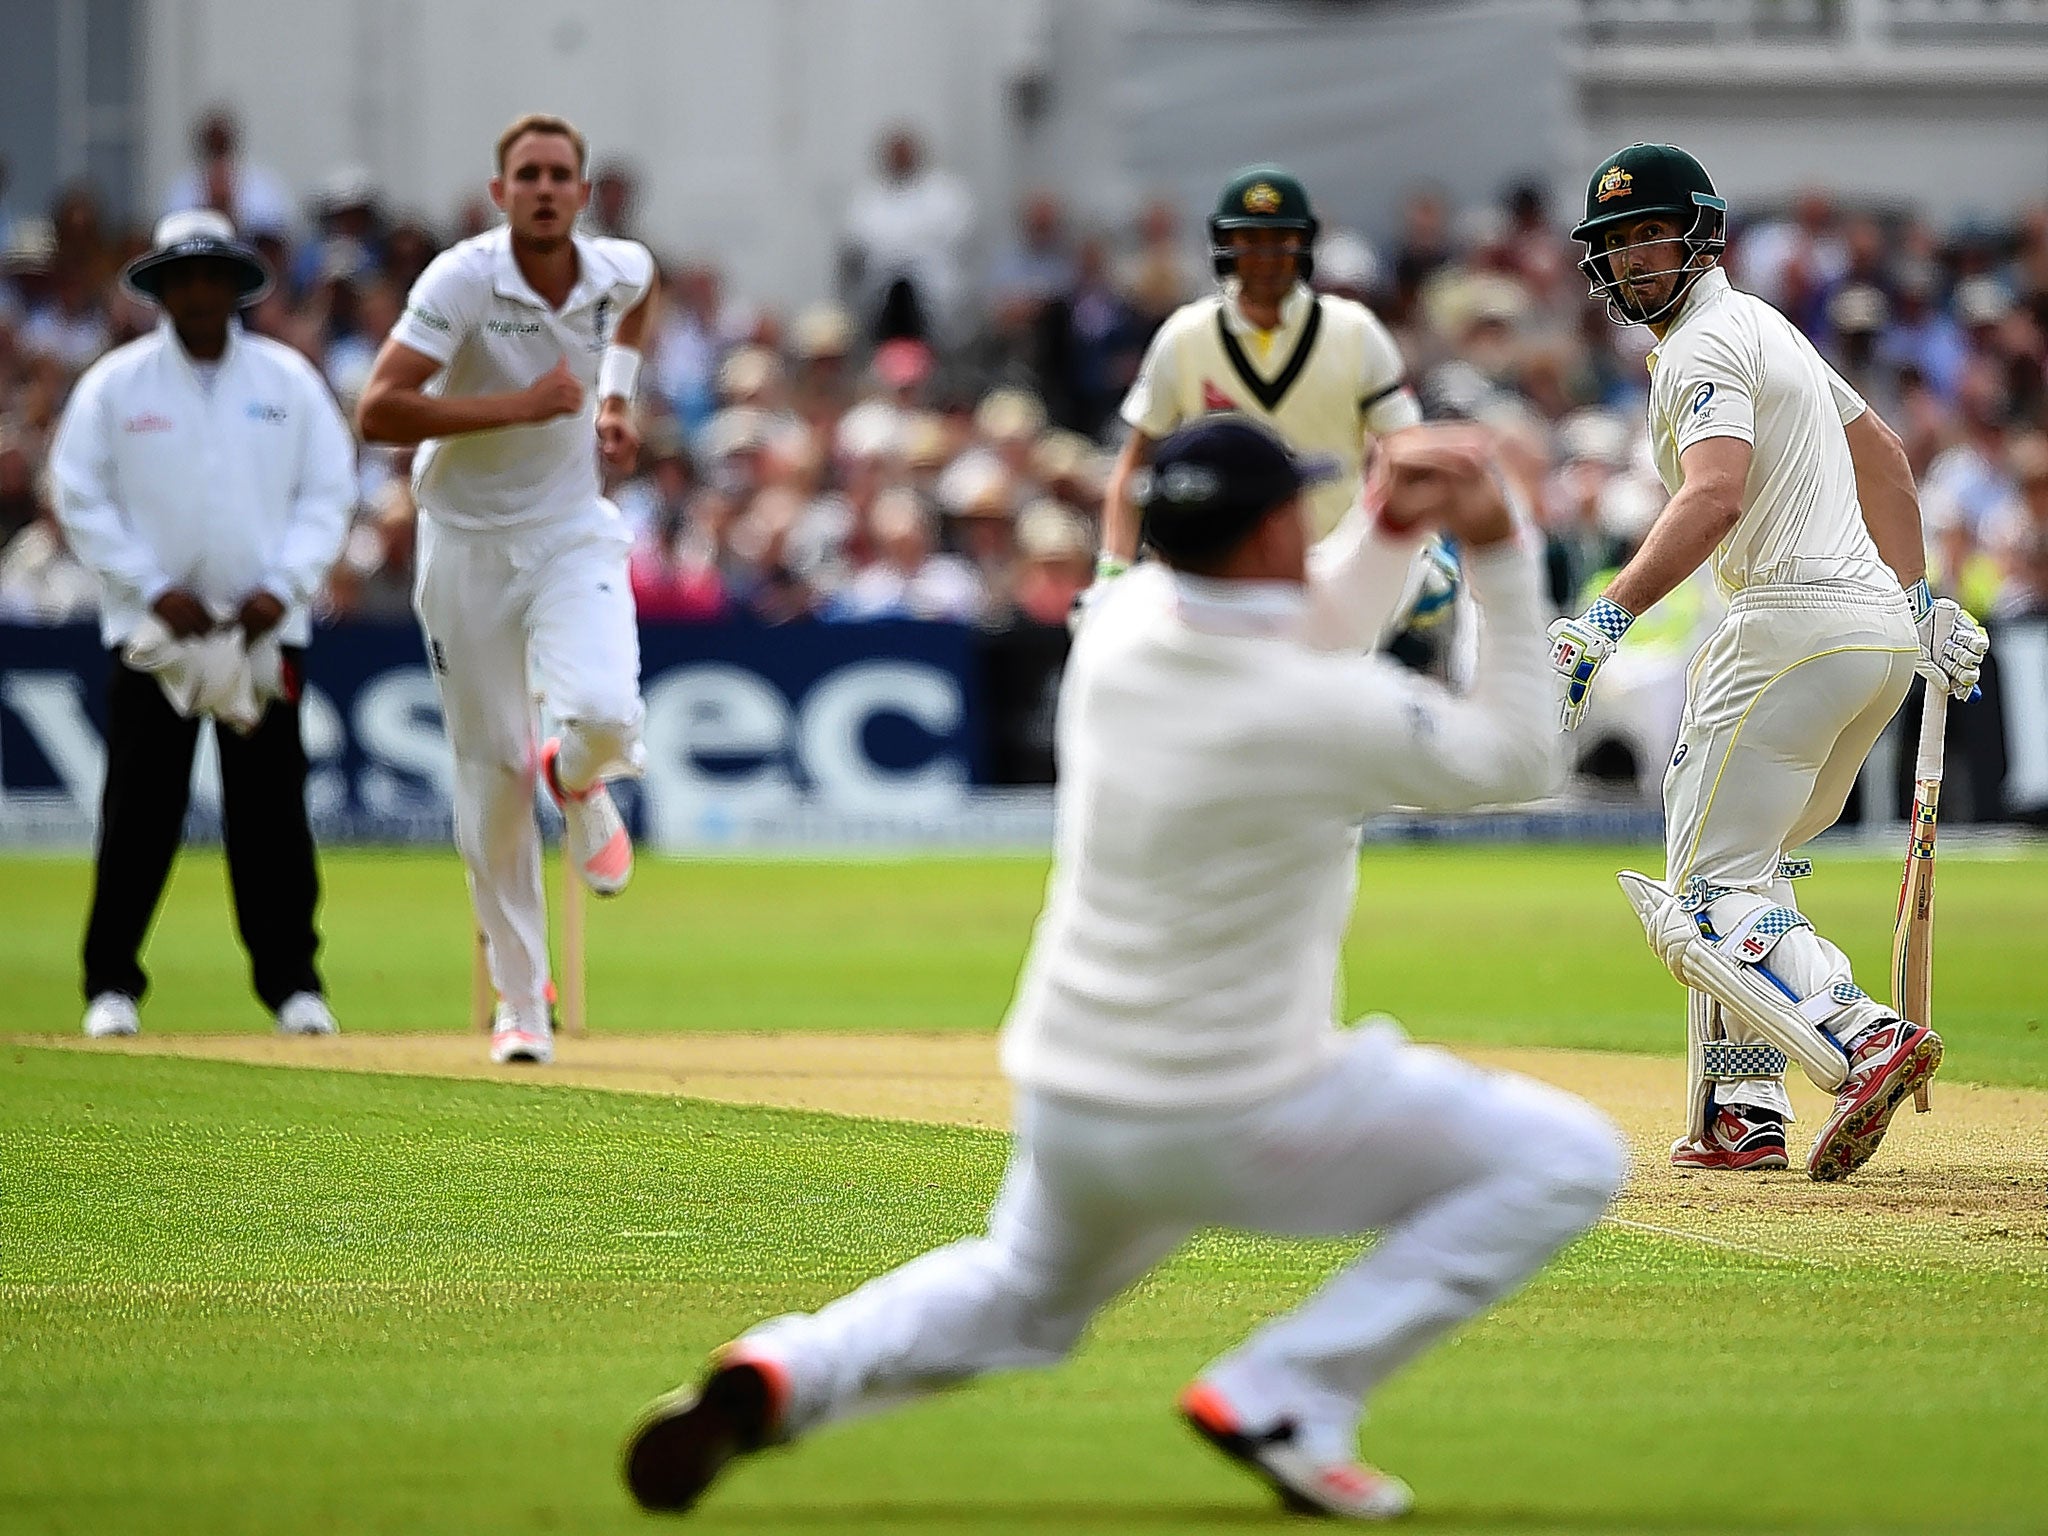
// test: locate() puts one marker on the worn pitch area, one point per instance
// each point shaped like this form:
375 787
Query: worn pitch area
1964 1185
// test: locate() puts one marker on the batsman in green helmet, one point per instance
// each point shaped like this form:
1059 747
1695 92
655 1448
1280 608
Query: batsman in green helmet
1803 502
1318 370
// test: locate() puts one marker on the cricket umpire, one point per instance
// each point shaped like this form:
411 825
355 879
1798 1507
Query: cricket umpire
205 475
1172 1042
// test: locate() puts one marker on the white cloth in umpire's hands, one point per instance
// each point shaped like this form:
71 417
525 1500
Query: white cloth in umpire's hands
1952 643
1579 648
216 674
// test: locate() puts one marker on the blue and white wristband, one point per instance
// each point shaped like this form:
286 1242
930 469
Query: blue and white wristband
1609 617
1923 599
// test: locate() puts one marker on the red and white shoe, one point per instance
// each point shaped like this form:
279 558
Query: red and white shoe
1886 1065
595 829
1735 1142
1306 1484
684 1440
521 1036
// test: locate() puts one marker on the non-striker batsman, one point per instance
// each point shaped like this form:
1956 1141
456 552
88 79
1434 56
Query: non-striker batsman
1802 497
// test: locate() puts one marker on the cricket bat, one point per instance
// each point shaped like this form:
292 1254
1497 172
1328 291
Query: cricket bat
1913 933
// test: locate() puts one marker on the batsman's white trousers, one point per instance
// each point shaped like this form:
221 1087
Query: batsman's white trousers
1784 703
506 617
1473 1178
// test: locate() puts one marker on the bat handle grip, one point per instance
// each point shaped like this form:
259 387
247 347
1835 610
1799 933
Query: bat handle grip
1933 733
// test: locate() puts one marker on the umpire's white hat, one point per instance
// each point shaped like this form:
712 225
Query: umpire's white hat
196 234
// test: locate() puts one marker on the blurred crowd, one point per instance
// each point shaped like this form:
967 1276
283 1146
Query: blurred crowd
932 442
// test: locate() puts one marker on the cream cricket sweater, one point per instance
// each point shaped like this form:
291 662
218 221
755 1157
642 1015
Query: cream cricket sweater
1219 743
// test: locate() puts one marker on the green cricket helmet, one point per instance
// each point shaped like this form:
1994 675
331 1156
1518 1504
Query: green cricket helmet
1262 197
1641 180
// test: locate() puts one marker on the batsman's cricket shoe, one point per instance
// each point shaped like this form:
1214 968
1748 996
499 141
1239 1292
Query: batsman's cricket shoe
1307 1485
596 831
521 1035
306 1013
685 1439
110 1014
1740 1140
1885 1066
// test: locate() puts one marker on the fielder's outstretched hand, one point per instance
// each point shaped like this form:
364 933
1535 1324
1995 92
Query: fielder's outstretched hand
1952 644
1579 648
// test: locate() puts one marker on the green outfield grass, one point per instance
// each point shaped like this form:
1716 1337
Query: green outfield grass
244 1300
1516 946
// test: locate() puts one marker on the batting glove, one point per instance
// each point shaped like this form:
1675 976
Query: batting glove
1436 594
1107 569
1579 648
1952 644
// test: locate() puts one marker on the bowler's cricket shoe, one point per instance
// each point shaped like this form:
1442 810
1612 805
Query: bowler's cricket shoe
521 1035
596 831
1885 1066
685 1439
1741 1140
110 1014
1307 1485
306 1013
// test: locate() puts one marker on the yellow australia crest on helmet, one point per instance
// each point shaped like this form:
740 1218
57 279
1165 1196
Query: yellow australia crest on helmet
1262 197
1614 182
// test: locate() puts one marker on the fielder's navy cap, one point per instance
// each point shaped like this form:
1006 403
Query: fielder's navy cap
1212 482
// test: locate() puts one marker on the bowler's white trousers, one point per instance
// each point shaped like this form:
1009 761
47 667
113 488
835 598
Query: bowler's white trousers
507 616
1473 1178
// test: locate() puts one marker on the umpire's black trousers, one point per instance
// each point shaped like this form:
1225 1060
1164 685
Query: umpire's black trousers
142 822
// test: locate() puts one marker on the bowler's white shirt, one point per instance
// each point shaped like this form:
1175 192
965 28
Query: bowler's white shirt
472 312
1219 744
1732 366
225 489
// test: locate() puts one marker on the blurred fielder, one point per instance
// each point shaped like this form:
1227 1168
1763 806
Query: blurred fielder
1803 499
1221 734
1319 370
506 341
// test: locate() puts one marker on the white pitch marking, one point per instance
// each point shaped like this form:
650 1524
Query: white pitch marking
1718 1242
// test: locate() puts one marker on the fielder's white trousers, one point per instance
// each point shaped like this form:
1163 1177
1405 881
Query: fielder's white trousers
507 617
1785 701
1473 1178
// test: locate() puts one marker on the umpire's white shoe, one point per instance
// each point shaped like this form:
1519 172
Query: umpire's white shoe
596 831
306 1013
110 1014
522 1036
1307 1484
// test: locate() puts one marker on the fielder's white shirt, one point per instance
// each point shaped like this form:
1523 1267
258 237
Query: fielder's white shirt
1732 366
472 312
1328 375
1219 743
222 487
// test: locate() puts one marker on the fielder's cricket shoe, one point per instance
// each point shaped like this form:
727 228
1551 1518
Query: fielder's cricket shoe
1307 1485
110 1014
521 1036
1742 1139
685 1439
1885 1066
306 1013
596 831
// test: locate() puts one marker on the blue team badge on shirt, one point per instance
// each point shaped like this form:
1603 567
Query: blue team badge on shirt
1700 397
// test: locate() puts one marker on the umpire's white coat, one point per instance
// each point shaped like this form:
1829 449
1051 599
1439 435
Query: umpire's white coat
1172 1041
223 480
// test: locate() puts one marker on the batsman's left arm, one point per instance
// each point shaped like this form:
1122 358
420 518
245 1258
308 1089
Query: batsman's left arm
1887 495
